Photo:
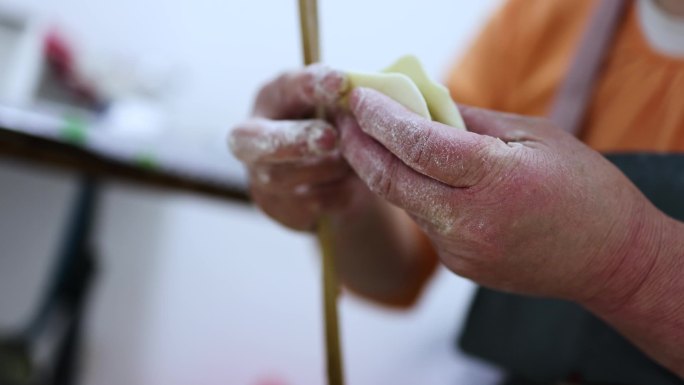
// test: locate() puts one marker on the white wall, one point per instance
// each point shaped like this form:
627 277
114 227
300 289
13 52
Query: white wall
199 291
222 49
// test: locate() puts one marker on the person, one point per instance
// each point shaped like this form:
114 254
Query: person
515 204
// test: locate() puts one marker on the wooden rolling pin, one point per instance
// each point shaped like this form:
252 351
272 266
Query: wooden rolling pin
308 18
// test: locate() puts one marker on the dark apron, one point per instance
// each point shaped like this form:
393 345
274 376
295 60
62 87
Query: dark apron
541 341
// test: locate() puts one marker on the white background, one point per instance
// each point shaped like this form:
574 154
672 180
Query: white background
194 290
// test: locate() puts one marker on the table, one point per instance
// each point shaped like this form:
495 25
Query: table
78 144
65 142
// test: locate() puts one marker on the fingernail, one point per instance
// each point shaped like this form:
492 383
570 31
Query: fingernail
322 138
335 83
328 84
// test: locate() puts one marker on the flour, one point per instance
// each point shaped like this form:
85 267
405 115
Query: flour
263 176
261 138
426 198
328 85
436 206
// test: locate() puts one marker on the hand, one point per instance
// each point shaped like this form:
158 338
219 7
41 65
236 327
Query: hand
297 174
296 171
515 204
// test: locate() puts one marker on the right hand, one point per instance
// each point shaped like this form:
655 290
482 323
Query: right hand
296 171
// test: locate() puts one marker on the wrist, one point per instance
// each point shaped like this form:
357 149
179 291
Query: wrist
652 315
648 279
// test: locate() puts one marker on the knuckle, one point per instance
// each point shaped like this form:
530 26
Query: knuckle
419 155
380 180
379 183
479 152
476 165
262 177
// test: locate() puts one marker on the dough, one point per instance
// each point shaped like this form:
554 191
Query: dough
406 82
442 107
395 85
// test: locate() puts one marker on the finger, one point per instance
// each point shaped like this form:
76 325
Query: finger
505 126
290 210
455 157
290 176
484 122
294 95
388 177
331 196
263 140
301 209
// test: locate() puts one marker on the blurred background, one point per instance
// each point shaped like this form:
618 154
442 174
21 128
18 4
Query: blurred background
178 286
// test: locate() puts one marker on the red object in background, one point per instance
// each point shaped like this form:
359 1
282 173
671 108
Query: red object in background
60 59
58 54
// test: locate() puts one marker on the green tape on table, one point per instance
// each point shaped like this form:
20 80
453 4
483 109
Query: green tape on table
146 161
74 131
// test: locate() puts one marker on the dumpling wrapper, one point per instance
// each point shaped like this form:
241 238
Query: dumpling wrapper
397 86
442 107
407 82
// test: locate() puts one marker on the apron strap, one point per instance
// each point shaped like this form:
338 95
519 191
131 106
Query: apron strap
573 97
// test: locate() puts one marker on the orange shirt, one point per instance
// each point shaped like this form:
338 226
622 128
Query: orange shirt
521 57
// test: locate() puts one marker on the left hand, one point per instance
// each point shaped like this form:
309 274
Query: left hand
514 204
